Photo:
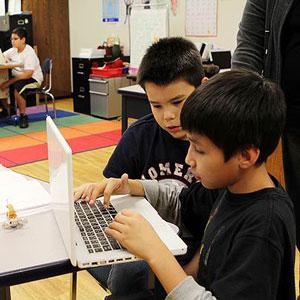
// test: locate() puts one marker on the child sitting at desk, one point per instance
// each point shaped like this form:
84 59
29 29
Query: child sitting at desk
233 123
29 76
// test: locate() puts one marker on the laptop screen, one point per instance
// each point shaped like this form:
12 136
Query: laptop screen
61 184
221 58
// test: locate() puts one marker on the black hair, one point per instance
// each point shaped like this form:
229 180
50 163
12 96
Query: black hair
237 110
171 59
20 32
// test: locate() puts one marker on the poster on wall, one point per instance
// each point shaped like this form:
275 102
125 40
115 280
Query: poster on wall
201 17
111 11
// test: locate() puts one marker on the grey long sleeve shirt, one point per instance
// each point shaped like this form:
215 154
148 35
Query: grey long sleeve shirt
165 199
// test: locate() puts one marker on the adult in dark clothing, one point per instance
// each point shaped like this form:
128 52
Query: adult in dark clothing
268 42
154 147
247 249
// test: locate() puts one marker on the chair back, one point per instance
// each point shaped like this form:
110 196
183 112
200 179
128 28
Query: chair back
47 70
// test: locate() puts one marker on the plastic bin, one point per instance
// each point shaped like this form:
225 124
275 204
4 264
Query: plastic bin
116 72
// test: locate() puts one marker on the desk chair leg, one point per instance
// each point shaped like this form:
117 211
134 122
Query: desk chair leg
73 285
46 105
5 293
37 99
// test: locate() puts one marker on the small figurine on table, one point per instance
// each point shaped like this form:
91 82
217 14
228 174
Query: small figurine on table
13 221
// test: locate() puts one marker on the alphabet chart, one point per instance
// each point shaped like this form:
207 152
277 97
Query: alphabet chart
201 17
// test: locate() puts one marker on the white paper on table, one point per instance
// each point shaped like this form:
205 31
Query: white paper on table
21 192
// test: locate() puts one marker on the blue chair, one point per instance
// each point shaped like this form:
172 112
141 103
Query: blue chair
45 90
47 85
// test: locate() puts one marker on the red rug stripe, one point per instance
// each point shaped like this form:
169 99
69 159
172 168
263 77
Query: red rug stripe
114 135
90 142
39 152
26 155
6 163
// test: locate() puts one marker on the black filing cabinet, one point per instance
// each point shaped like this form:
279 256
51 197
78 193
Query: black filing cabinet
81 90
10 22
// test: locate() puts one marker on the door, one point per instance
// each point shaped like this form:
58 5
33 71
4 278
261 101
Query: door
50 21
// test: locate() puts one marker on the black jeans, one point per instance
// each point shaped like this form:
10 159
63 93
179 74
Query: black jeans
291 164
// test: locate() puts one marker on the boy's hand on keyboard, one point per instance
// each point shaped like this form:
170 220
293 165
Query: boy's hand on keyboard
136 234
119 186
91 191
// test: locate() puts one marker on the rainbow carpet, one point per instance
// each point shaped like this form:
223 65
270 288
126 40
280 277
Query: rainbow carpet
83 133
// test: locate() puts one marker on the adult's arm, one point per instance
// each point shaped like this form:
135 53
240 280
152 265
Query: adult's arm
249 53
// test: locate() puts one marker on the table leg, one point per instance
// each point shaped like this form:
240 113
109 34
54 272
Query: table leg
73 285
4 94
124 114
5 293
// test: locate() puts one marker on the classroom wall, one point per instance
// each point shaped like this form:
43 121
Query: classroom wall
87 29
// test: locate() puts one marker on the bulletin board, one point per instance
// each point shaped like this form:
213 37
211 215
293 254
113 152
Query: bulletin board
201 17
146 25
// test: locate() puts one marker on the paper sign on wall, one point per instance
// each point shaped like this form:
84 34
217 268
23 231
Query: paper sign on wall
201 17
111 10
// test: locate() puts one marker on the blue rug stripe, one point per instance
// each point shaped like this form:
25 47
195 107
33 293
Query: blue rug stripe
36 117
42 116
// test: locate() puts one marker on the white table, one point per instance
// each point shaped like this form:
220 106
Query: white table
33 252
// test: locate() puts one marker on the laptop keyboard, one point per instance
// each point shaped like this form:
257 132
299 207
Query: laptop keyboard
91 221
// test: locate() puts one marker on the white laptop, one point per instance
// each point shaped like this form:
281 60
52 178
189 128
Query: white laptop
83 249
2 58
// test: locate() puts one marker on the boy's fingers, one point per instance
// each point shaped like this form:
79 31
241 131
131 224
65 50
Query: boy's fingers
124 178
86 193
117 226
78 193
106 199
111 186
120 218
113 233
126 213
77 196
95 194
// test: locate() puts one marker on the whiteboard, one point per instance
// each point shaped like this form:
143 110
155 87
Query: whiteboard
146 26
2 8
14 6
201 17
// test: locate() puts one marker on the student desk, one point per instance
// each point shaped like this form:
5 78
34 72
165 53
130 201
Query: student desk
135 104
9 66
33 252
4 75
